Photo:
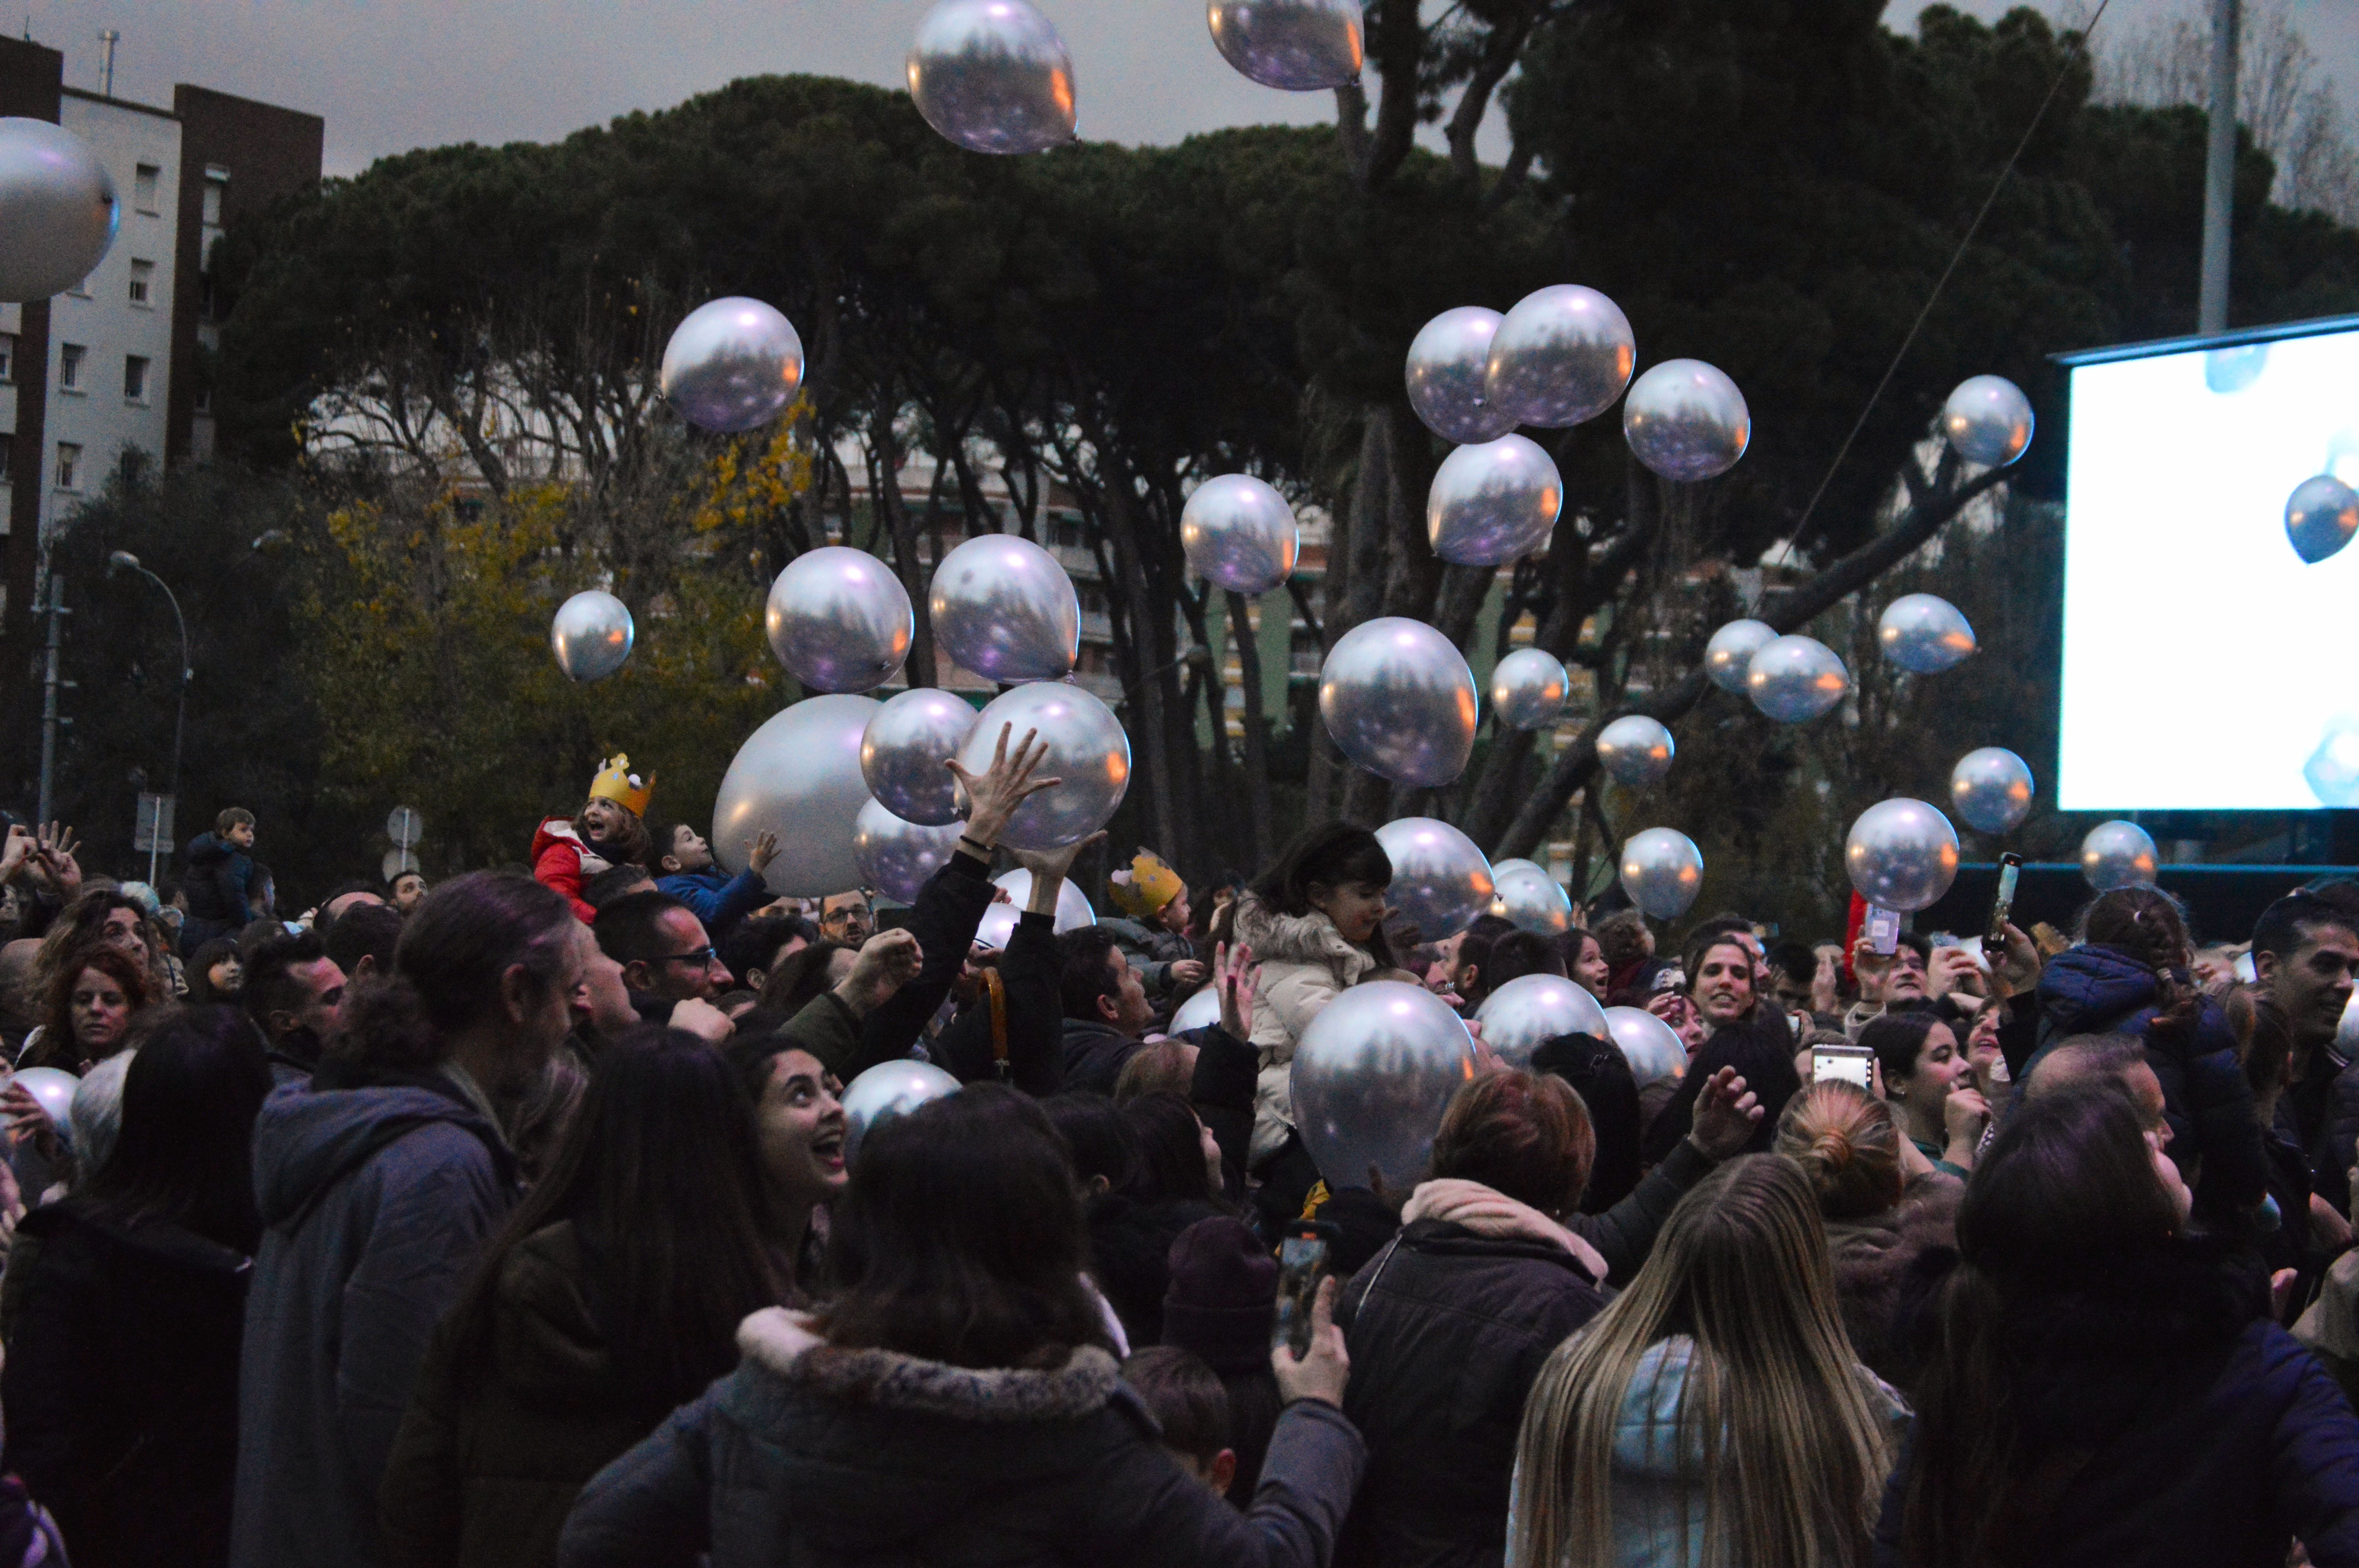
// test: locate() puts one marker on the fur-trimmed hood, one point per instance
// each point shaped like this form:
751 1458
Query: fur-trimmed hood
1300 939
782 1344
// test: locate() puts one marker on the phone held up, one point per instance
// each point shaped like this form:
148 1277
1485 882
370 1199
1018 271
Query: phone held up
1302 1264
1851 1064
1882 930
2010 867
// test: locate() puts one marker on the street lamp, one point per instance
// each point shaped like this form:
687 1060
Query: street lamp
125 561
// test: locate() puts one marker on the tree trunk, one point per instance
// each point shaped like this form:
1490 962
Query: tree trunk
1259 809
885 495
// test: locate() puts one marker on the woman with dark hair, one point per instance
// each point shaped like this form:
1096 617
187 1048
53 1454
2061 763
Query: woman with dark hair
104 918
612 1295
215 974
122 1374
957 1402
2098 1389
1143 1181
1762 1054
1315 923
1718 963
1585 961
93 1000
1930 1084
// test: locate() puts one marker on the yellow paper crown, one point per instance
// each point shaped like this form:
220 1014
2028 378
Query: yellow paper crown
1144 886
615 782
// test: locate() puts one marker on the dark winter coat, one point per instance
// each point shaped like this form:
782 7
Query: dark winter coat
1448 1329
1151 951
121 1387
822 1456
1130 1257
1880 1263
1096 1055
220 874
1036 1027
377 1194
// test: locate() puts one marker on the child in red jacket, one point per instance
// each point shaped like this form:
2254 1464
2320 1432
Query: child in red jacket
611 830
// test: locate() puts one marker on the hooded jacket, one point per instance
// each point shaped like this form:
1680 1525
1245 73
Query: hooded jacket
376 1196
1305 961
819 1456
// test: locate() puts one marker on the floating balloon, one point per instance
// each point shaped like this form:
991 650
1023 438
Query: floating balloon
1087 749
799 776
1399 701
1990 789
2230 370
2320 516
1562 355
2346 1032
997 926
993 76
1652 1047
1636 751
1202 1006
1902 854
1728 657
1794 679
1299 46
1662 871
1073 911
2118 855
591 635
731 364
1493 503
1988 420
839 620
1005 609
2332 770
1446 360
1441 883
1372 1073
52 1088
1528 689
57 210
1239 534
1531 1010
896 857
1924 635
1527 895
886 1090
903 754
1686 420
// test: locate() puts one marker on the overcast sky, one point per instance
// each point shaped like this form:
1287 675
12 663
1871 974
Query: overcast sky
393 74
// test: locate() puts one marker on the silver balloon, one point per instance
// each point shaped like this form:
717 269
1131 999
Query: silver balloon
1662 871
1531 1010
1902 854
1372 1073
1073 911
1239 534
993 76
2320 516
1686 420
1652 1047
1990 789
1087 749
2118 855
1924 635
2332 770
1562 355
1442 883
1299 46
896 857
1528 689
1493 503
799 776
903 753
1202 1006
1003 608
52 1088
1446 362
732 364
57 210
1399 701
1794 679
2346 1032
1988 420
1534 899
839 620
1728 656
591 635
886 1090
1636 751
998 923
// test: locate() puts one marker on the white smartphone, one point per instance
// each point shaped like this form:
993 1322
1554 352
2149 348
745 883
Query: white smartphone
1851 1064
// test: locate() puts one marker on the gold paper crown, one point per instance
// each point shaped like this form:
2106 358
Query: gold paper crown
615 782
1141 889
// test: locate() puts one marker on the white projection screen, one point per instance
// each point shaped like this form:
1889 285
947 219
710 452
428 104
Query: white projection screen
2204 663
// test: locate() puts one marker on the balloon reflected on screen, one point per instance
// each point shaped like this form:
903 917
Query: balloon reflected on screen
1534 899
904 749
1562 356
797 776
1529 688
1004 608
591 635
1990 789
1686 420
2230 370
59 212
1445 373
1442 882
1901 854
2320 516
1924 635
839 620
886 1090
1636 751
896 858
1296 46
2332 770
2118 855
1398 700
1988 420
1729 656
993 76
1794 679
731 364
1372 1073
1652 1047
1239 534
1493 503
1662 871
1530 1010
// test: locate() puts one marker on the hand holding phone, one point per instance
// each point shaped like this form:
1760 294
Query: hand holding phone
1325 1371
1302 1264
1851 1064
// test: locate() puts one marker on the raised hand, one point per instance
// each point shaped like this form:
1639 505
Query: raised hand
1726 1116
760 850
1236 979
993 795
887 961
1326 1372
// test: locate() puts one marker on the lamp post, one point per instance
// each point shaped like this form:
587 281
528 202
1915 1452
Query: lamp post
123 560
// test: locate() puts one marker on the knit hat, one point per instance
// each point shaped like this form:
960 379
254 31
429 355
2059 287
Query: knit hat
1143 888
1224 1296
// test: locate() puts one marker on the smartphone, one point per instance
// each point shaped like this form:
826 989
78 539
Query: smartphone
1302 1264
1851 1064
2010 866
1882 930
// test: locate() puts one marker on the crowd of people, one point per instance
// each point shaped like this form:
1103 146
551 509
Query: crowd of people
519 1220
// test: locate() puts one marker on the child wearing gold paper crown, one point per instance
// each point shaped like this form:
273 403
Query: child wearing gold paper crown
1153 936
611 830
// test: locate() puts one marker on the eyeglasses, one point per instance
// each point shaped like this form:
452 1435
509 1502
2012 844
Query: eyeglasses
702 958
843 917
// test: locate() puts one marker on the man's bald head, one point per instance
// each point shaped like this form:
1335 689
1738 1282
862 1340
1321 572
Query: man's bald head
15 969
2117 1059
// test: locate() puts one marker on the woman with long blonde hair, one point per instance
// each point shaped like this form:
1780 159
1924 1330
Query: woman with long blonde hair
1714 1415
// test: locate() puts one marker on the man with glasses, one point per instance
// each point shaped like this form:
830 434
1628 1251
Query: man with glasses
844 917
666 958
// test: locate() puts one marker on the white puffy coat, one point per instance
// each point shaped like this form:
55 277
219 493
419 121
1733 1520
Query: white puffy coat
1304 962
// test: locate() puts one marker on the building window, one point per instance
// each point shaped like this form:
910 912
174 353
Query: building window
68 466
7 452
69 367
216 186
133 464
135 378
7 358
143 283
143 187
